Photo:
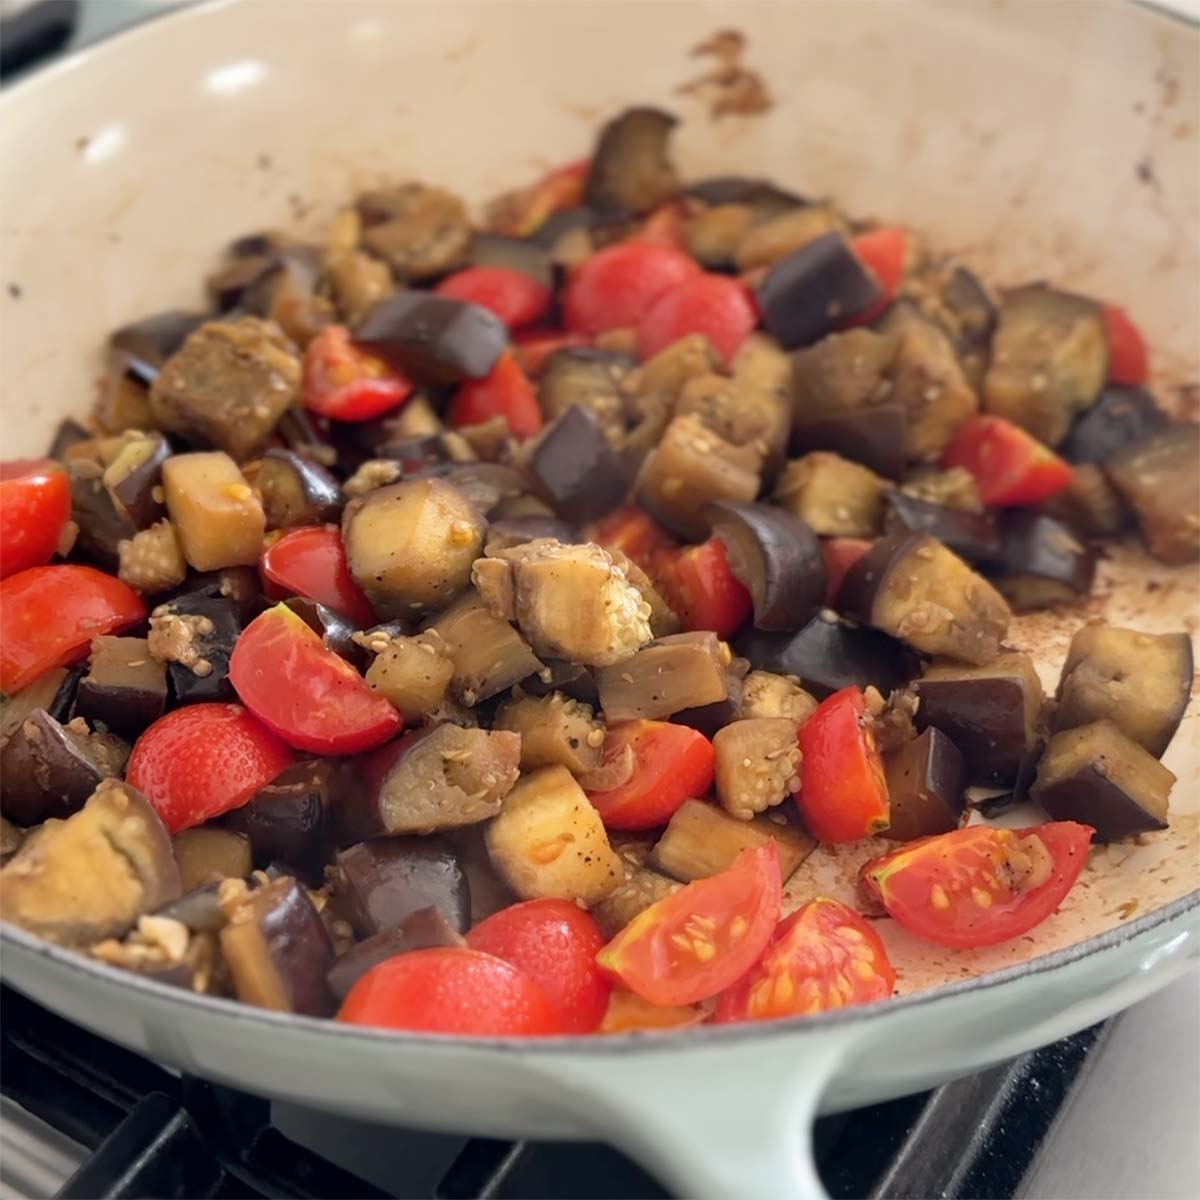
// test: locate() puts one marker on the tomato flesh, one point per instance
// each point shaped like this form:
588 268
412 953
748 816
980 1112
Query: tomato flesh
310 696
348 383
885 254
1010 466
824 956
450 990
979 885
699 584
1128 358
843 792
35 504
561 188
717 306
49 616
203 760
616 286
671 764
514 296
504 392
635 533
698 941
311 562
840 555
555 943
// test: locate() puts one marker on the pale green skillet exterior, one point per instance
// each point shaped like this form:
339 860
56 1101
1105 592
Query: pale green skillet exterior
128 167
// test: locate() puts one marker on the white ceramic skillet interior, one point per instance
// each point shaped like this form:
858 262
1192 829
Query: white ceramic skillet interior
1044 139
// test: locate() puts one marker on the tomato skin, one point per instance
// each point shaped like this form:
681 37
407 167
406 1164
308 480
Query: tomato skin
932 884
514 296
843 793
347 383
715 305
615 287
635 533
50 614
672 763
555 943
304 692
824 956
1011 467
699 584
557 189
729 917
533 346
885 254
311 562
35 504
504 392
1128 358
450 990
203 760
840 554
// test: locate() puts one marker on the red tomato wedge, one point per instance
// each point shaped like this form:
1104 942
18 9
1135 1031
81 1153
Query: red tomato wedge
307 694
514 296
203 760
1011 467
524 212
824 956
347 383
840 555
704 937
670 764
49 616
311 562
843 793
504 392
635 533
1128 358
533 346
699 584
555 943
717 306
885 254
979 885
628 1011
451 990
616 286
35 504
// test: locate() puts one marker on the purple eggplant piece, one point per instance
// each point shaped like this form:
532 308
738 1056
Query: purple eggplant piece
972 536
241 586
138 490
514 531
101 526
631 167
425 929
577 470
200 909
572 679
759 194
297 491
214 646
124 687
926 780
53 690
69 433
1043 561
1120 417
871 436
145 345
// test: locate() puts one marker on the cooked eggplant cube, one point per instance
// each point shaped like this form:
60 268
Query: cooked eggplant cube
1044 563
631 169
768 695
641 889
758 764
555 730
145 345
208 854
69 433
295 490
1139 681
685 670
424 929
54 691
421 231
843 373
1090 504
102 528
414 673
911 586
990 713
926 783
286 292
195 636
125 687
515 253
133 478
833 496
576 469
215 512
760 194
1122 416
871 436
1098 776
434 338
813 290
572 679
771 239
973 536
583 376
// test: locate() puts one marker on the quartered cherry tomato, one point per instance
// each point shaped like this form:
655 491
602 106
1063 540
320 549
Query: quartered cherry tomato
840 554
451 990
561 188
514 296
823 956
635 533
533 346
310 696
347 383
885 254
843 793
49 616
671 764
979 885
311 562
616 286
717 306
504 392
1128 358
203 760
628 1011
35 504
703 938
699 584
555 943
1010 466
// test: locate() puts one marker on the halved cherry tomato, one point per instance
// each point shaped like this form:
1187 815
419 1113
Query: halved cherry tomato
49 616
555 943
504 392
840 555
1011 467
311 562
699 584
664 226
843 793
514 296
704 937
635 533
885 254
533 346
717 306
203 760
671 764
313 698
823 956
979 885
451 990
616 286
558 189
1128 358
347 383
35 504
627 1011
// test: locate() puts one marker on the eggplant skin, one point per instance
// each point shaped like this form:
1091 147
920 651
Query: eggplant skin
146 344
1043 561
577 470
871 436
1120 417
972 536
631 167
926 780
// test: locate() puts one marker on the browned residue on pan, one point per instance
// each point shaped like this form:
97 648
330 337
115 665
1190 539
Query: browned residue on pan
730 88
